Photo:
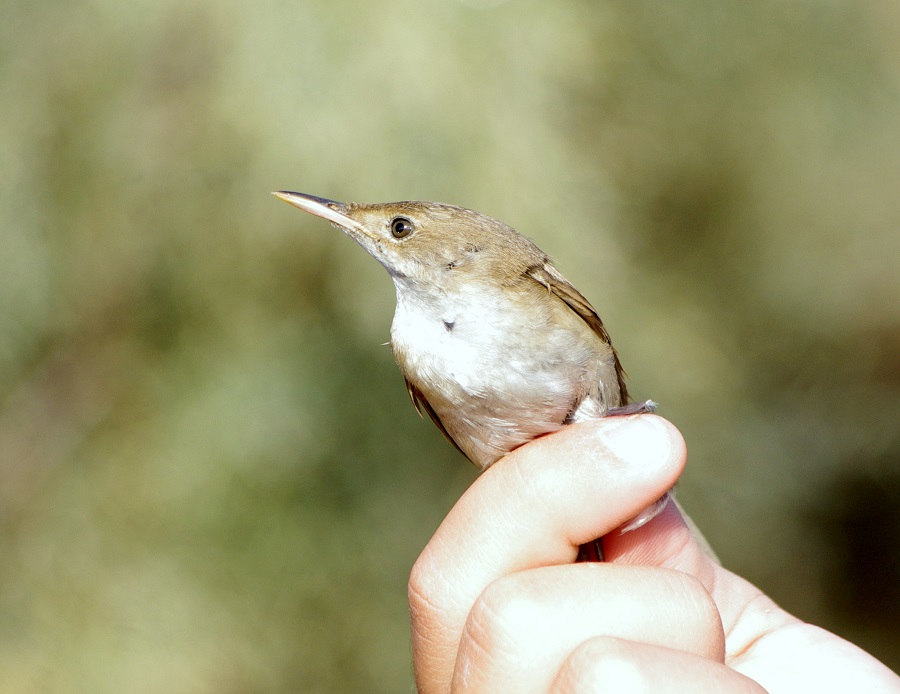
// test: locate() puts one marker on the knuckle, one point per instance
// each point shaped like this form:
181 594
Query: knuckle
601 664
501 616
705 614
423 593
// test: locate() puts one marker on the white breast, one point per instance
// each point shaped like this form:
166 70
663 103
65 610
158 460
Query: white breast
496 372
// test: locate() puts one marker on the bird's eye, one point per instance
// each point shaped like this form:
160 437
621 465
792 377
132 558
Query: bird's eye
401 227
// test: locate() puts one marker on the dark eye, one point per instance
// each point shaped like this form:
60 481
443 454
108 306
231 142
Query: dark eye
401 227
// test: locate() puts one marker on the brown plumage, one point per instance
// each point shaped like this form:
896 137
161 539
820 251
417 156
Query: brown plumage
496 346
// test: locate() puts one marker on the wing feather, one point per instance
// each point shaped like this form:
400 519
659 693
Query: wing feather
420 402
548 276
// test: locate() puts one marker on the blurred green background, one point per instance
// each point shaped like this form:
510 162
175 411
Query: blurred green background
211 479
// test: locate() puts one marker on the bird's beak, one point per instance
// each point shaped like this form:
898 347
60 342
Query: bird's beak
334 212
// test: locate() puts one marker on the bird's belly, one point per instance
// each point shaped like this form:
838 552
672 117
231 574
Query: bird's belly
488 428
494 384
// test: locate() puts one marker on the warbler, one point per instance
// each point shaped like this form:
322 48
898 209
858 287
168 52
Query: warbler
496 346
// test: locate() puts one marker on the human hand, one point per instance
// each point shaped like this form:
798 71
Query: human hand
498 605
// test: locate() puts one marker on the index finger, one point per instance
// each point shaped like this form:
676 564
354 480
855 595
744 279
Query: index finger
534 508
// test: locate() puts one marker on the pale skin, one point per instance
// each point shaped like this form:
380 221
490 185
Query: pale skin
498 605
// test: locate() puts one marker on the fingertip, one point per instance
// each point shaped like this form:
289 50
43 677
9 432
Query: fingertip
645 439
607 456
645 443
607 469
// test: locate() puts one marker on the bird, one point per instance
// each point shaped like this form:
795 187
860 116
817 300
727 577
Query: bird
496 346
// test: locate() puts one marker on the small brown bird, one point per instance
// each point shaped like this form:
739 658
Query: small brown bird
494 343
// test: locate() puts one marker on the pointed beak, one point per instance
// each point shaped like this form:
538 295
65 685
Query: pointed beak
335 212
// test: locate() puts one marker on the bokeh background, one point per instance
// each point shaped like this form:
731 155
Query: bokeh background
211 479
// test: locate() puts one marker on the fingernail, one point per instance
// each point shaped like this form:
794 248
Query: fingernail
640 440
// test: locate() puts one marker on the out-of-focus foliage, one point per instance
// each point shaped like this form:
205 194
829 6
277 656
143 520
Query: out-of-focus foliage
210 477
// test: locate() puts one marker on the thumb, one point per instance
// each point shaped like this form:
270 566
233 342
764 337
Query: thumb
670 540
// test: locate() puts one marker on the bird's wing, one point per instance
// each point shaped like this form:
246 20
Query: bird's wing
420 402
548 276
